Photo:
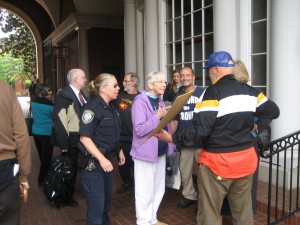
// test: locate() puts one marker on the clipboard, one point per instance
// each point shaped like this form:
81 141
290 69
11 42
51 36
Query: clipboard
173 111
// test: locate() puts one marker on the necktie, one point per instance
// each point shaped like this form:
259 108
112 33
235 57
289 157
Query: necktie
81 99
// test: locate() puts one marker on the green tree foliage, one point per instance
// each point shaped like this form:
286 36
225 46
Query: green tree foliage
10 68
19 43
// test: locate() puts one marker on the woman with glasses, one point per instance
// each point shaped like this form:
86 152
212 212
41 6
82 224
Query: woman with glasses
42 111
99 133
149 156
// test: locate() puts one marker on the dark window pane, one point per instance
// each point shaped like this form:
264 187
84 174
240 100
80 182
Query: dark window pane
198 74
187 51
178 29
209 45
187 6
169 31
188 65
208 14
259 9
208 2
197 4
169 53
259 70
177 8
169 72
178 52
169 10
198 48
178 67
187 25
198 23
259 32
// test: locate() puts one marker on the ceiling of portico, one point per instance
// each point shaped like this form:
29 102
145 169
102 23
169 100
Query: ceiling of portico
100 7
111 8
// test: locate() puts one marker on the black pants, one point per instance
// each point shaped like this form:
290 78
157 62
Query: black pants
126 170
45 151
10 203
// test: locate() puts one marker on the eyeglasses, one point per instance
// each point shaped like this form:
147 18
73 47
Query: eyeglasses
160 82
126 81
114 86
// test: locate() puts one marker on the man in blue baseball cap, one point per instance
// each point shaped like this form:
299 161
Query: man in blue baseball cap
222 59
223 120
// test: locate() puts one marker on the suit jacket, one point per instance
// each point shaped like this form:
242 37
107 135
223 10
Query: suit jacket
66 118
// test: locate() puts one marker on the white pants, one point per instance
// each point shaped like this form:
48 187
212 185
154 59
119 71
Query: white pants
149 189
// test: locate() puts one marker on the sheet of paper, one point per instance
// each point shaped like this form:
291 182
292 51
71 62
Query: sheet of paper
173 111
16 169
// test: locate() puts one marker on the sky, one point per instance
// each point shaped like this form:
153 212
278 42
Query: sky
2 35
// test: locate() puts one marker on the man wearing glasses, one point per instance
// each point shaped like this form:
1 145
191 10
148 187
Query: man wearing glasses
123 105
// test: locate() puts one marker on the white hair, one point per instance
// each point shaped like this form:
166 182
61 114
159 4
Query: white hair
154 76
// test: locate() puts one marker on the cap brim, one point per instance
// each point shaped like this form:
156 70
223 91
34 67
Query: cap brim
206 67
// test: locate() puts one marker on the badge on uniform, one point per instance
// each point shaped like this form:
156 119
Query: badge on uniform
87 116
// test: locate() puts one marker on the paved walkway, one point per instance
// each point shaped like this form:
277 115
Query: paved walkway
39 211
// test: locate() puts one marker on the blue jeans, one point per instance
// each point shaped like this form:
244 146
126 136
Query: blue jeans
97 188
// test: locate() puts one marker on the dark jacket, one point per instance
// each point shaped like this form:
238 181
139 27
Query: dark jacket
224 117
169 94
66 117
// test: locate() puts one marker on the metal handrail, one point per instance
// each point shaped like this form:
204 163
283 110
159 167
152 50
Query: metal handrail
285 194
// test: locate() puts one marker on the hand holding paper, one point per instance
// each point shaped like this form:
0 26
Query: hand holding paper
161 112
163 135
171 112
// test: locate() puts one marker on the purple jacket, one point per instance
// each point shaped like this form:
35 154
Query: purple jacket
144 121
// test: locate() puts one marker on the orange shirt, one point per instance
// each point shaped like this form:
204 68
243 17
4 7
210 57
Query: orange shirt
230 165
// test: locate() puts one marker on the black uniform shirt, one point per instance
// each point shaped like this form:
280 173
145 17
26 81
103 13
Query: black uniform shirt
101 123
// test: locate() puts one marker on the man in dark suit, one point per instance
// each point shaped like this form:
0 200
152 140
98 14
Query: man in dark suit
66 116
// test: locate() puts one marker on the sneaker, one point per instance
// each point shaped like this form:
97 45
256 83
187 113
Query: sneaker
186 203
71 202
124 188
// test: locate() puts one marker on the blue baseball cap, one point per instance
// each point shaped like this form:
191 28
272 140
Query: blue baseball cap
219 59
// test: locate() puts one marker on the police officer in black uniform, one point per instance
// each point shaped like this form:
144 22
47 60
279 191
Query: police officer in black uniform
99 133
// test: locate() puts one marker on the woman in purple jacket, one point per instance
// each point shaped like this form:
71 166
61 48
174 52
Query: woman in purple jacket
149 156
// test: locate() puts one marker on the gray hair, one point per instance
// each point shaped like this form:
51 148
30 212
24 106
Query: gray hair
134 77
72 74
102 80
154 76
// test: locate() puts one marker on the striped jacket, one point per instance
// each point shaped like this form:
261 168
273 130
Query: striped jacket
224 116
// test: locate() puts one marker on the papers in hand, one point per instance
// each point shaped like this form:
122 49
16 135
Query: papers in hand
173 111
16 169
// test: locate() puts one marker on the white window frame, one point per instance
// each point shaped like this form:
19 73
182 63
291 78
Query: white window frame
192 37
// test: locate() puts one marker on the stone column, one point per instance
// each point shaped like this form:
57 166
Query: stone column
284 61
225 27
83 58
130 36
151 36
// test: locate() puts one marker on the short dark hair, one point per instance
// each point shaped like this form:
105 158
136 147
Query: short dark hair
41 90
